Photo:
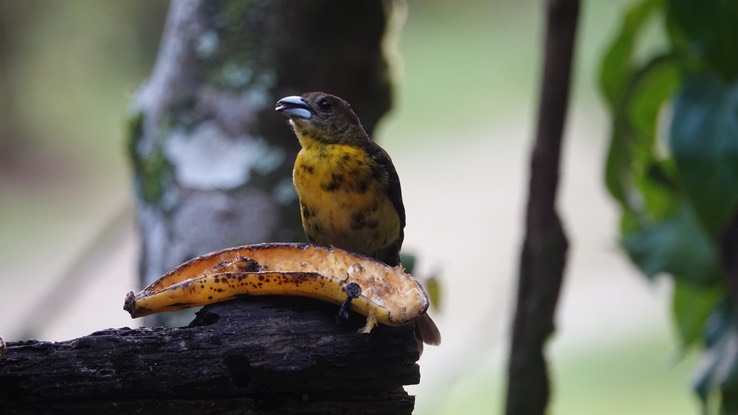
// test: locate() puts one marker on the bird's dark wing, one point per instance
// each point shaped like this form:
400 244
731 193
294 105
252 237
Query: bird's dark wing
394 192
391 254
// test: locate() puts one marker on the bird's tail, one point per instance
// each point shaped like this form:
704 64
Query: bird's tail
426 331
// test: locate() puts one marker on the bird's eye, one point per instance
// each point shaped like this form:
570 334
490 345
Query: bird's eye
325 104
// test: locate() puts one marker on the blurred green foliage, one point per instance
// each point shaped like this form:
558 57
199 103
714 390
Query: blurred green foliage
673 168
67 70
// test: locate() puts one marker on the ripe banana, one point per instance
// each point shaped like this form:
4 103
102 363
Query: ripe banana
382 293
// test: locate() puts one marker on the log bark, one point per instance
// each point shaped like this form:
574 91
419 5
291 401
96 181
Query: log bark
545 244
268 355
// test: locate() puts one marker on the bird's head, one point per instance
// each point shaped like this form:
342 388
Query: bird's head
322 117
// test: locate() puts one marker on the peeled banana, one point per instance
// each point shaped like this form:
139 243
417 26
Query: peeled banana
382 293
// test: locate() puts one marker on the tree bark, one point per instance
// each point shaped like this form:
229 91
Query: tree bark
260 356
545 245
211 157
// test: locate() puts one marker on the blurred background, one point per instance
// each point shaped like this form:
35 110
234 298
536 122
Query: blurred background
459 136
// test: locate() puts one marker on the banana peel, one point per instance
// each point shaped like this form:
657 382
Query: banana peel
382 293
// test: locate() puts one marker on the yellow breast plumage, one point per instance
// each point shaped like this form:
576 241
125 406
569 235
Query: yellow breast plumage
343 198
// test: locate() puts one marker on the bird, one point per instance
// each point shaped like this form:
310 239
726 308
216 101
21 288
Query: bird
348 187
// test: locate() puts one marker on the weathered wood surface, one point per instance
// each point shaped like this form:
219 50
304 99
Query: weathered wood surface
262 356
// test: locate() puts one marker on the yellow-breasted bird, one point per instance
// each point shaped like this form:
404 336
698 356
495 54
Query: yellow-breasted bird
349 190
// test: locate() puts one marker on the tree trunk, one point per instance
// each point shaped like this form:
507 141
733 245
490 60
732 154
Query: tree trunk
260 356
544 247
211 157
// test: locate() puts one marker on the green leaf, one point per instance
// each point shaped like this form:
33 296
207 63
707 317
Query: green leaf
435 290
675 203
617 66
703 139
709 32
654 84
408 261
676 245
618 163
658 189
729 404
719 323
692 305
620 80
718 368
632 153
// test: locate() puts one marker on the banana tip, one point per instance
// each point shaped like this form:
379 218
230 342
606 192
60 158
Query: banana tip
130 303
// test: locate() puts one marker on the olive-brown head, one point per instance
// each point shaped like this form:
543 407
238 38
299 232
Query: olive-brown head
323 117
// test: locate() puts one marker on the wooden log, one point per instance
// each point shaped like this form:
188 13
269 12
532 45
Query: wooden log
267 355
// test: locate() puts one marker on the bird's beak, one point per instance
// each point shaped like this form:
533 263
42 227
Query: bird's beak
294 106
